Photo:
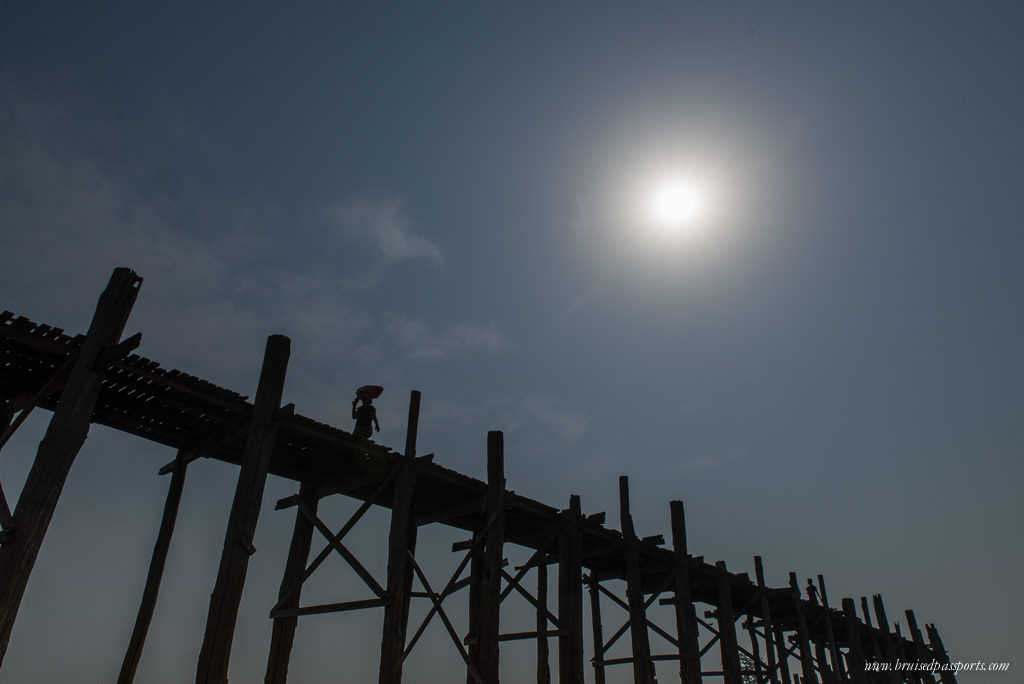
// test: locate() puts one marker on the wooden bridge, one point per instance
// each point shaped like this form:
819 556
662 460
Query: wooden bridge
762 633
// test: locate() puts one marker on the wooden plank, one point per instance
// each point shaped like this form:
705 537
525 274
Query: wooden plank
727 629
60 445
855 654
283 634
686 615
156 571
401 548
570 597
245 511
886 638
935 641
344 606
837 661
643 669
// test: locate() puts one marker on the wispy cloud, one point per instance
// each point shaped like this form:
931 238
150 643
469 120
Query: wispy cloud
419 339
383 224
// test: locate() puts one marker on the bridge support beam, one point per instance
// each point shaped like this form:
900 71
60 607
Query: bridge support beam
156 571
60 445
245 511
727 629
570 597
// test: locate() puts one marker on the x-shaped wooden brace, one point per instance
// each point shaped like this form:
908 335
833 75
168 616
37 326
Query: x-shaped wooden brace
625 606
334 543
536 559
453 585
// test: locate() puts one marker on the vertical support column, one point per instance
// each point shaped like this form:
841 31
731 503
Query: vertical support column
876 651
156 572
483 648
570 597
780 644
245 511
283 635
597 630
401 542
686 616
921 653
60 445
837 661
888 646
935 641
806 660
543 666
766 617
855 657
727 629
643 668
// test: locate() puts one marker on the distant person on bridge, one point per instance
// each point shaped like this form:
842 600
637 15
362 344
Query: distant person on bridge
812 592
365 415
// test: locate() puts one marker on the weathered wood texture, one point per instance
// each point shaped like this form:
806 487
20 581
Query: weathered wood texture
401 545
802 634
245 511
543 658
60 445
282 637
727 630
855 653
771 647
156 572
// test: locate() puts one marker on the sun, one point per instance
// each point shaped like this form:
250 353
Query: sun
675 205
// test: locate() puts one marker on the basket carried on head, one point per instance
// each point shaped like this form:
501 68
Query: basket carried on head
369 392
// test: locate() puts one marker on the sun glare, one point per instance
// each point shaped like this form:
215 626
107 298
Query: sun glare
675 205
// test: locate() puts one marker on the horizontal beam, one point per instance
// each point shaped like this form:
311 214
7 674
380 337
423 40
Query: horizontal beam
327 608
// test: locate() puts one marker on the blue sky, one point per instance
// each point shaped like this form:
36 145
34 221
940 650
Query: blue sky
444 197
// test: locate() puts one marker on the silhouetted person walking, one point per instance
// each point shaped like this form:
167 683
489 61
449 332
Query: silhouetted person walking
812 592
365 416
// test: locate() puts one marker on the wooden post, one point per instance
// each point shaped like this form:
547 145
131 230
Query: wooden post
283 634
686 616
855 657
921 653
401 543
60 445
780 644
543 667
483 649
837 660
643 668
806 660
727 629
570 597
245 511
935 641
766 615
156 572
597 631
888 647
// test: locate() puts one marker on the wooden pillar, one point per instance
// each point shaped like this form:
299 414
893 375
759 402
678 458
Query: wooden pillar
935 641
921 653
156 571
245 511
570 597
597 630
401 542
875 649
822 658
543 666
780 644
855 657
803 639
766 616
727 629
483 645
837 660
686 616
60 445
643 668
888 644
283 635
